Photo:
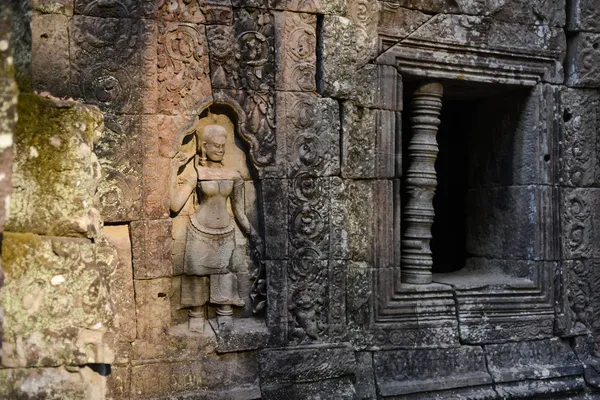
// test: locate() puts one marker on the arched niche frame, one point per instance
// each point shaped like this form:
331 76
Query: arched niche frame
249 160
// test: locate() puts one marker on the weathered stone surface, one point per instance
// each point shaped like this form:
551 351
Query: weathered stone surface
64 7
199 12
121 9
246 334
365 15
52 384
540 359
330 389
120 153
582 301
305 364
56 172
153 308
368 140
114 63
338 48
365 378
580 223
157 169
56 302
274 196
118 383
199 377
121 283
580 113
582 60
183 70
378 86
584 15
296 51
536 12
360 294
312 133
495 224
50 53
396 22
277 302
314 6
151 243
400 372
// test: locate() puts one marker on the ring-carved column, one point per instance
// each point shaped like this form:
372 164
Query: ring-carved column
421 181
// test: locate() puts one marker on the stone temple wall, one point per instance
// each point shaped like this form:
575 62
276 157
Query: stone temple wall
331 108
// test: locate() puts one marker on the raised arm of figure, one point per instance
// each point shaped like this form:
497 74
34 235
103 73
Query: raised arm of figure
181 191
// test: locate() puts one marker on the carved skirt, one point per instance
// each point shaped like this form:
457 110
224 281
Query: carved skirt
207 250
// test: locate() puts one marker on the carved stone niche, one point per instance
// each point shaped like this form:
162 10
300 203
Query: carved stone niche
481 240
217 252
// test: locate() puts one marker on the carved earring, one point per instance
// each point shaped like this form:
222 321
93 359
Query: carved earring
203 155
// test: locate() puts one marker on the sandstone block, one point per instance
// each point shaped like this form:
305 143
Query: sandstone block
157 170
583 60
151 243
338 48
311 128
153 308
183 70
118 383
58 384
56 172
396 22
296 51
56 300
584 15
122 9
50 53
121 283
114 64
365 15
378 86
64 7
580 221
313 7
120 152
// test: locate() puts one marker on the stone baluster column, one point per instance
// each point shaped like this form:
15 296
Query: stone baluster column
421 182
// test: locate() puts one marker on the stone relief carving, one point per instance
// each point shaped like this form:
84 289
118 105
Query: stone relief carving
209 261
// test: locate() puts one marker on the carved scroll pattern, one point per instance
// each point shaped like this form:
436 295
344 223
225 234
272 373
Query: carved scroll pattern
421 182
577 225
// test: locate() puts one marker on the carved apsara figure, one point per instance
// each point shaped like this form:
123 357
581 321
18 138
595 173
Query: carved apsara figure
210 238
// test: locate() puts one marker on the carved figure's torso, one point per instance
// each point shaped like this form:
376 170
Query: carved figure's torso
212 210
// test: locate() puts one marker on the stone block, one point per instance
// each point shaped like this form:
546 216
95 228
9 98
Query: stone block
157 172
580 280
365 15
580 221
360 219
266 149
338 48
55 173
52 383
275 204
380 87
536 389
50 53
306 363
400 372
313 7
198 12
296 51
579 163
312 133
151 242
153 309
583 60
277 302
243 55
359 294
368 142
178 345
183 69
56 301
64 7
114 63
337 299
246 334
121 9
539 359
8 119
121 283
397 22
365 378
538 12
120 153
502 223
118 383
584 15
200 377
331 389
